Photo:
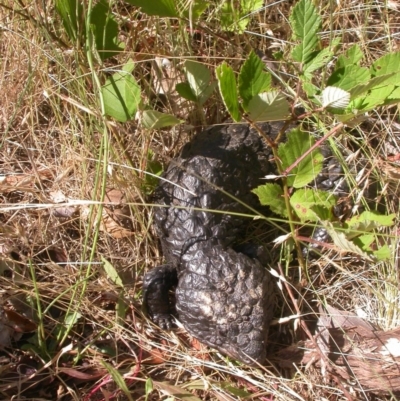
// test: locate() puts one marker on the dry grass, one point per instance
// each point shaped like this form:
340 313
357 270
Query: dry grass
69 332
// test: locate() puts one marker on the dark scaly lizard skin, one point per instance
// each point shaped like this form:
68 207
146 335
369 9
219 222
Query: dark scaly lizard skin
224 294
224 298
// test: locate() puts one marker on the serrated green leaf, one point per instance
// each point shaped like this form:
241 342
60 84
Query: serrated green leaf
317 60
105 30
162 8
198 77
323 212
340 240
227 87
272 195
268 106
153 119
234 14
253 79
352 57
383 253
305 23
334 97
388 64
363 241
121 95
297 144
369 220
305 200
250 6
348 77
374 83
376 97
311 91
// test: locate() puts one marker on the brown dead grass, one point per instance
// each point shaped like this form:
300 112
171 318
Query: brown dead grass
66 327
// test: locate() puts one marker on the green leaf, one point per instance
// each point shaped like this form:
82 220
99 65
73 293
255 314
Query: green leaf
234 391
268 106
118 379
374 83
272 195
352 57
227 87
154 167
383 253
161 8
129 66
121 95
192 9
369 220
345 245
148 387
390 63
153 119
253 79
311 90
348 77
305 23
183 88
234 14
395 94
317 60
376 97
306 202
363 241
111 273
121 309
175 391
297 144
172 8
198 77
335 98
62 329
105 30
71 319
323 212
71 13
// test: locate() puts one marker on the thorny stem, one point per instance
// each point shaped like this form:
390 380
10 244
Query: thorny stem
286 195
316 144
284 173
267 139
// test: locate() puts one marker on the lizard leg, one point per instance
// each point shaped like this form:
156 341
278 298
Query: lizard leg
156 286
